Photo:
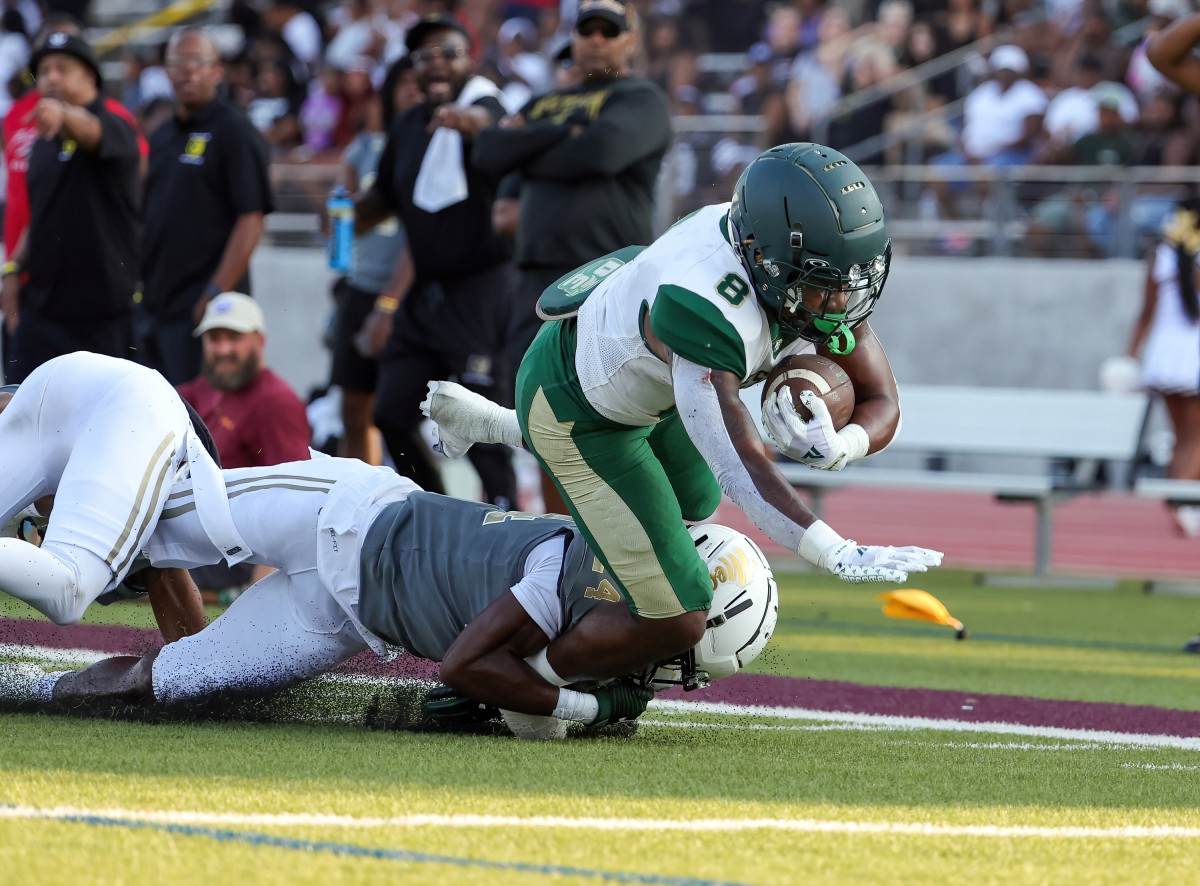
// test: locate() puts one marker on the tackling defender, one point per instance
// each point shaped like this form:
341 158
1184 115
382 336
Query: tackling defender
108 437
630 398
366 560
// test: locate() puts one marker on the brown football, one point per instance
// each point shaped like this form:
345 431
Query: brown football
812 372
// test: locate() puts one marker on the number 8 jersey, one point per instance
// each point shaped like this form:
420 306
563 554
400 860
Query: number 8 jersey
700 305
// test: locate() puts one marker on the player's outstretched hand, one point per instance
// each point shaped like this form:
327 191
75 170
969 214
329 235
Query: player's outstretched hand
621 700
464 418
857 563
813 442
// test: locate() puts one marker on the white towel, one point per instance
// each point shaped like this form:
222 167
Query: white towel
442 180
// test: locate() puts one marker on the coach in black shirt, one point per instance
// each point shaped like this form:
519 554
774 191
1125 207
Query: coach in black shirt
80 249
588 158
206 195
452 322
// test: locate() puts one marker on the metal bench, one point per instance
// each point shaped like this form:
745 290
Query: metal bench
1047 430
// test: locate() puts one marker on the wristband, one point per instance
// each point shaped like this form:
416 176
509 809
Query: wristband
856 440
9 267
818 539
387 304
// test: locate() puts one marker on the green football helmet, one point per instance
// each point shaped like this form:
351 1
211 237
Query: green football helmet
805 218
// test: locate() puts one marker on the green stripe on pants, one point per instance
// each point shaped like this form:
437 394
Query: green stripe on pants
620 482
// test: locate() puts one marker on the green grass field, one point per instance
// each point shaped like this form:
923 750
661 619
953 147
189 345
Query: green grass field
696 796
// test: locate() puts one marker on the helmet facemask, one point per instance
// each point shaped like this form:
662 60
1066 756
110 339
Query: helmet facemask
781 287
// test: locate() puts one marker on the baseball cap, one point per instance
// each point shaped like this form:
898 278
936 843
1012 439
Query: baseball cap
1009 58
67 44
616 11
234 311
1107 95
418 32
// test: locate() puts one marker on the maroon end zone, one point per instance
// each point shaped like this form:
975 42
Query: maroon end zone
740 689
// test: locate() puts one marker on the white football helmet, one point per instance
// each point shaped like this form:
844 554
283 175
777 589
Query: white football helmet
743 614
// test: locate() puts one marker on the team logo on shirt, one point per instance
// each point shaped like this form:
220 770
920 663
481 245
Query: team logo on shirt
67 151
193 151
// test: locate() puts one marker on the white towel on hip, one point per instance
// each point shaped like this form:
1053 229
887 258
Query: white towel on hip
442 179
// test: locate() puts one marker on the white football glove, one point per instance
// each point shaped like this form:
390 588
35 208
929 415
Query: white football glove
464 418
857 563
813 442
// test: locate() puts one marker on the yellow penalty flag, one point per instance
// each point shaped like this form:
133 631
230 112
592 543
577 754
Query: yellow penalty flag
919 605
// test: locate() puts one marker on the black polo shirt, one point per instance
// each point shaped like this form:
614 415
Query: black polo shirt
204 173
455 241
84 224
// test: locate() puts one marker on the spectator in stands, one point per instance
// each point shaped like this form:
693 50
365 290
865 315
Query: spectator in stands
275 110
1167 335
1058 222
207 194
380 275
299 31
321 111
815 83
1002 119
892 22
960 24
588 157
757 94
1074 111
874 62
454 317
81 247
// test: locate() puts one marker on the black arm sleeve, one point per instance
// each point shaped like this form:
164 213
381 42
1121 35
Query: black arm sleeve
499 151
632 125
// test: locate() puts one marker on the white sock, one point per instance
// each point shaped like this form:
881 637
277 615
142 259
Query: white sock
582 707
43 689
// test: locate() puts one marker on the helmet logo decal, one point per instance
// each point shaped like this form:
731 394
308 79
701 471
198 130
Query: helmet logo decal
733 567
854 186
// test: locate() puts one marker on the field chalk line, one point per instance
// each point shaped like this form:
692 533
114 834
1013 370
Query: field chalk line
183 818
846 720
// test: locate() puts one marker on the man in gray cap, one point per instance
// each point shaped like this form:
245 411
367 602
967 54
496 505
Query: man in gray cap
84 195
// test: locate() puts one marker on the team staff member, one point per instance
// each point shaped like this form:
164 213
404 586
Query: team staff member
588 155
453 318
206 196
80 249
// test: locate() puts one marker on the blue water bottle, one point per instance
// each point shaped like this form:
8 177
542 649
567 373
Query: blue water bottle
340 209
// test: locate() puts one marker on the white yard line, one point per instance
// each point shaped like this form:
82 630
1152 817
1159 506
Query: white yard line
830 720
543 822
1129 739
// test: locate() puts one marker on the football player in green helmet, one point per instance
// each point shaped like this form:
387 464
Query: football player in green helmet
630 396
809 229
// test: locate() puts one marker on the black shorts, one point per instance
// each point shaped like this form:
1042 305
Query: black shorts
352 371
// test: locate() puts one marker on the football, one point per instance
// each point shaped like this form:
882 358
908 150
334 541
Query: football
812 372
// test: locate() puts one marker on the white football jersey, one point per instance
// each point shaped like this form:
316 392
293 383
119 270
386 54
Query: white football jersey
701 305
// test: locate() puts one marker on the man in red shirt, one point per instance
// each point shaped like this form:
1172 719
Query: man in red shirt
255 418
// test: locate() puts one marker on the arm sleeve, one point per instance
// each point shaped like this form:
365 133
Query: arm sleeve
700 412
499 151
247 181
631 126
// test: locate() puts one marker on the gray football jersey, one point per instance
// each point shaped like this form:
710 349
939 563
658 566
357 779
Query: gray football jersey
430 564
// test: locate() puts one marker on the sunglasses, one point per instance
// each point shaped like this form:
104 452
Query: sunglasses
589 27
426 54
